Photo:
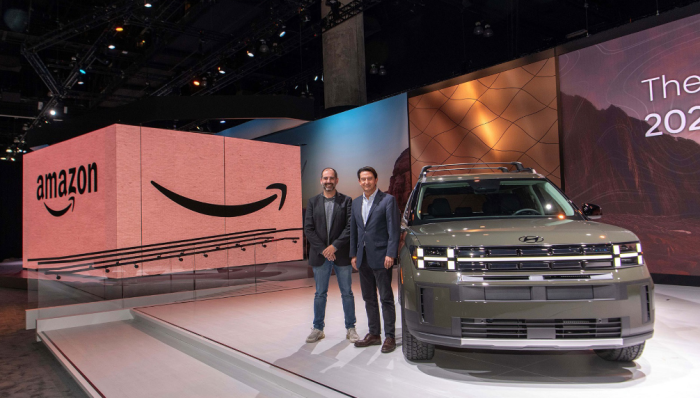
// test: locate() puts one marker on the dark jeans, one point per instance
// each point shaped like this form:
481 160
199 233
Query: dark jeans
370 280
322 276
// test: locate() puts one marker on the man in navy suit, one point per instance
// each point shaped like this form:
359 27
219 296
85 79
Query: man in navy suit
374 244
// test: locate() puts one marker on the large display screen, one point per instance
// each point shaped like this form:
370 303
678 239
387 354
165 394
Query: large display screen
631 138
373 135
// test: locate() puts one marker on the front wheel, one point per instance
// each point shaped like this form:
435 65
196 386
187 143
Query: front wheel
624 354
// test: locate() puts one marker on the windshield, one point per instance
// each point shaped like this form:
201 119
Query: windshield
491 198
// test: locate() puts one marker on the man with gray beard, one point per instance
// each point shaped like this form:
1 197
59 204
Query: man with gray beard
327 229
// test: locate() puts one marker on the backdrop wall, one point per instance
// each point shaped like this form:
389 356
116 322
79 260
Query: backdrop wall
374 135
631 139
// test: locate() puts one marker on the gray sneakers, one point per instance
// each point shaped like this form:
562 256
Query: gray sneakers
352 335
315 336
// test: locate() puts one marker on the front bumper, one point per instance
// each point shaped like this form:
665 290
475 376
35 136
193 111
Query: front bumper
445 309
544 344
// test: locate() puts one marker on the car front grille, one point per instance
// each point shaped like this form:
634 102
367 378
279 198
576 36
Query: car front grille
533 258
558 329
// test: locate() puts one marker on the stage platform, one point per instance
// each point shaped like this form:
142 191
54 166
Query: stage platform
254 345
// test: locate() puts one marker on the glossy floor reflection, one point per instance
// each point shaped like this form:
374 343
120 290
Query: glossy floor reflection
273 327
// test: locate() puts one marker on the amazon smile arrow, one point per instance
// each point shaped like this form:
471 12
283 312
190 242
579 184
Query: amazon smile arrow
59 213
215 210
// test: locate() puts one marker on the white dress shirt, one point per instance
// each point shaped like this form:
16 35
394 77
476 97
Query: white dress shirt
367 205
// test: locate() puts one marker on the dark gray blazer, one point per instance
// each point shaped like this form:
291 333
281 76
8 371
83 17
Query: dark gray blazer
380 237
315 229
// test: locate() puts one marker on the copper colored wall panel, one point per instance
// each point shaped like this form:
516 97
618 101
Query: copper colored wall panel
508 116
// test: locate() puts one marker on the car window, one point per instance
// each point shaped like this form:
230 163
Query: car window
492 198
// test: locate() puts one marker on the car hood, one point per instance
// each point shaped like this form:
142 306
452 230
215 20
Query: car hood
507 232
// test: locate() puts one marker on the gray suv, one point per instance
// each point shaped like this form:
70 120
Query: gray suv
502 259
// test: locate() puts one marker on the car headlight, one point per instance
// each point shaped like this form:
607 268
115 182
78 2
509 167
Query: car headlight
433 258
628 254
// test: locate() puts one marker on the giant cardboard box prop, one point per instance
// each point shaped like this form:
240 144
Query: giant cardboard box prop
127 201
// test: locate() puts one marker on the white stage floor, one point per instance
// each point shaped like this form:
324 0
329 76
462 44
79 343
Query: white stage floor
273 327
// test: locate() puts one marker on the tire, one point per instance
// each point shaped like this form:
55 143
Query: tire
413 349
624 354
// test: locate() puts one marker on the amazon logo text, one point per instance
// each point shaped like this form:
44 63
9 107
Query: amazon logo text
71 182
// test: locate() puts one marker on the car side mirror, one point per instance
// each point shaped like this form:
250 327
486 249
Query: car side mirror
594 212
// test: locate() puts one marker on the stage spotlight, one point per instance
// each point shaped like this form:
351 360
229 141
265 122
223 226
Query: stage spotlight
147 4
111 46
119 28
221 70
263 47
81 82
52 112
196 82
373 69
82 71
478 29
488 32
251 51
12 159
9 150
3 158
223 122
382 70
316 78
283 31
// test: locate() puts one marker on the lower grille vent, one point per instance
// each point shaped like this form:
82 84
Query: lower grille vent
646 304
559 329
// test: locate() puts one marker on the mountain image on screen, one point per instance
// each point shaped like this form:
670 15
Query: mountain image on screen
650 185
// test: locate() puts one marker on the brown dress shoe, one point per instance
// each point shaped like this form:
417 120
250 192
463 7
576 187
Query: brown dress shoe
370 339
389 345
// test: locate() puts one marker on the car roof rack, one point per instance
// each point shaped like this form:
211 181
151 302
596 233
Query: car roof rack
476 166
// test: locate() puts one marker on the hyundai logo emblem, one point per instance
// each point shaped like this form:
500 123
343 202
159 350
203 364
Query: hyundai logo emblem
531 239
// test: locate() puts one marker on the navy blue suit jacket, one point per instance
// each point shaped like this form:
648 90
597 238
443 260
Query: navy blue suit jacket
380 236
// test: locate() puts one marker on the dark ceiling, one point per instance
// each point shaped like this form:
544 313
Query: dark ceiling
163 49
